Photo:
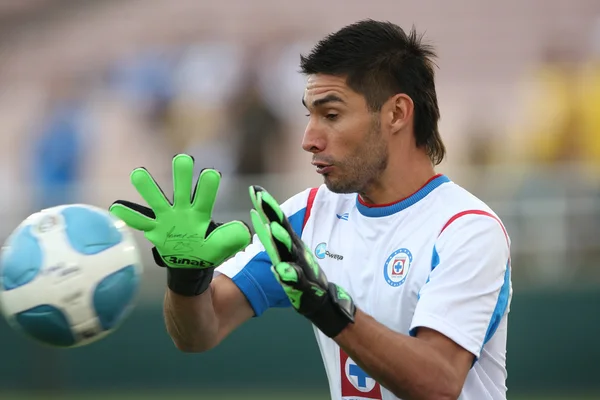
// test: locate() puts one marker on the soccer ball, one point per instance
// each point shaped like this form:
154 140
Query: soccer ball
69 275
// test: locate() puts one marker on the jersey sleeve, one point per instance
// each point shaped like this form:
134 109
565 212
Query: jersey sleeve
250 269
469 288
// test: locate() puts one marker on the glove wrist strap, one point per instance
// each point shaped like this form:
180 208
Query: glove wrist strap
185 281
189 281
332 317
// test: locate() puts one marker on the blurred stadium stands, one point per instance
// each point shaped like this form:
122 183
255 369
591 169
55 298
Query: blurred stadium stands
91 90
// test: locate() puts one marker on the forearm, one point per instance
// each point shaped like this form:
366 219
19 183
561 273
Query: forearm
409 367
191 321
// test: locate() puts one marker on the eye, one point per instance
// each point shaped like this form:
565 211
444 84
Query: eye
331 117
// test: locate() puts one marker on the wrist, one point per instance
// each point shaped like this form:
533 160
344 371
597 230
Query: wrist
349 329
335 314
189 281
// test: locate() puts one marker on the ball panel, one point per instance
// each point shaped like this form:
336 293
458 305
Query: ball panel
21 260
46 324
114 294
89 232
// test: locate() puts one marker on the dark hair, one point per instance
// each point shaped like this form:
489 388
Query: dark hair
380 60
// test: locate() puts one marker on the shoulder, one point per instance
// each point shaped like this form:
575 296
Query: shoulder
456 205
465 217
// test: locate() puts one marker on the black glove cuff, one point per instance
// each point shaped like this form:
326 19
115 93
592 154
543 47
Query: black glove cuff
334 315
189 281
185 281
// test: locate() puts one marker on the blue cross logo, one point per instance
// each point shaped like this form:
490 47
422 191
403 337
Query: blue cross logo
398 266
361 376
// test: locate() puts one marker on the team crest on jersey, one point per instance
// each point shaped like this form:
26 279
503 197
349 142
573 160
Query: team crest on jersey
397 266
356 383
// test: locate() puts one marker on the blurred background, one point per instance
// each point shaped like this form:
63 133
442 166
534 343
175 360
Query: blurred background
90 90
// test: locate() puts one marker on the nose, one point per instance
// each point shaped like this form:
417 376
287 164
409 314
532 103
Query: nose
314 139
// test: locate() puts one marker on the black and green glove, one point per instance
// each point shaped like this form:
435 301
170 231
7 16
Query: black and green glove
329 307
186 240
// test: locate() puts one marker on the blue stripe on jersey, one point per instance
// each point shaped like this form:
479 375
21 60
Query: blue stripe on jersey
501 306
435 261
258 283
384 211
499 310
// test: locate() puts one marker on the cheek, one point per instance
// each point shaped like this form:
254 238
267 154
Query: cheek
350 132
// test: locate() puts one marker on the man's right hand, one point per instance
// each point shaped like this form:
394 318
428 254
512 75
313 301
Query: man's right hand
185 238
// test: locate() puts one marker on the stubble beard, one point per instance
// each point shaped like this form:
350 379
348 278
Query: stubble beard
362 168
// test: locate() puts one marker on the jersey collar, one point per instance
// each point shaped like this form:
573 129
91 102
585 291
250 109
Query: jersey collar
384 210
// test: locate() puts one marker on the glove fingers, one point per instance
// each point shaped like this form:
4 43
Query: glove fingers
230 238
131 217
283 242
286 273
255 197
264 235
316 272
282 236
205 193
271 207
266 204
288 277
183 176
149 190
137 207
270 211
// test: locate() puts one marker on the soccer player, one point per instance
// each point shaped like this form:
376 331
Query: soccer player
404 275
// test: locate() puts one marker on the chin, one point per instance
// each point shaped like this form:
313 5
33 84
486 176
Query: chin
339 186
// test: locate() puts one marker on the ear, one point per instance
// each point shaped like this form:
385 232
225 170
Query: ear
401 111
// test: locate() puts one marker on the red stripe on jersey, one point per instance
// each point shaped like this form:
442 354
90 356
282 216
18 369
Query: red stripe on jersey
475 212
309 204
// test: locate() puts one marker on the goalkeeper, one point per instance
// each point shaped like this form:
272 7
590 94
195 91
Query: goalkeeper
404 275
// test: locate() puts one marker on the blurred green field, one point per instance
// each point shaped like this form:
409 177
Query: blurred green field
228 395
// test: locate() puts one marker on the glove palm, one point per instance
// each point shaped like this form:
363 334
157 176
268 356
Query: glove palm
183 233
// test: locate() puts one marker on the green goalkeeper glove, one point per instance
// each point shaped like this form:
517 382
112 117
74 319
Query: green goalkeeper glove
329 307
186 240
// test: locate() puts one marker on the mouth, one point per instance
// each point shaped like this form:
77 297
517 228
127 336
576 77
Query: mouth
322 168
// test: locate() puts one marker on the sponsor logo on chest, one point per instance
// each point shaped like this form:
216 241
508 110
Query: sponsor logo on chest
321 252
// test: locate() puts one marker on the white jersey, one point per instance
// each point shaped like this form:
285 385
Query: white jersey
438 259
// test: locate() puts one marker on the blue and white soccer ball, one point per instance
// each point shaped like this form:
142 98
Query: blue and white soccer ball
69 275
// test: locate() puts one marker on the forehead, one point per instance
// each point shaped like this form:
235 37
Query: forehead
320 85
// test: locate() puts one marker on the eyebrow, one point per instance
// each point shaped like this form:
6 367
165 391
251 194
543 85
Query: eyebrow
331 98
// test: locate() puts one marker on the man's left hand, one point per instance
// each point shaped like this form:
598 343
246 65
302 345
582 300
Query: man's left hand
329 307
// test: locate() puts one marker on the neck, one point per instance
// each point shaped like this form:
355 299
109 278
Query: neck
404 176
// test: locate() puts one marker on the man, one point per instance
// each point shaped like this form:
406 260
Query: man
404 274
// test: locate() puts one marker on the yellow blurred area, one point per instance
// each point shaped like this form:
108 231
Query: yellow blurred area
561 117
